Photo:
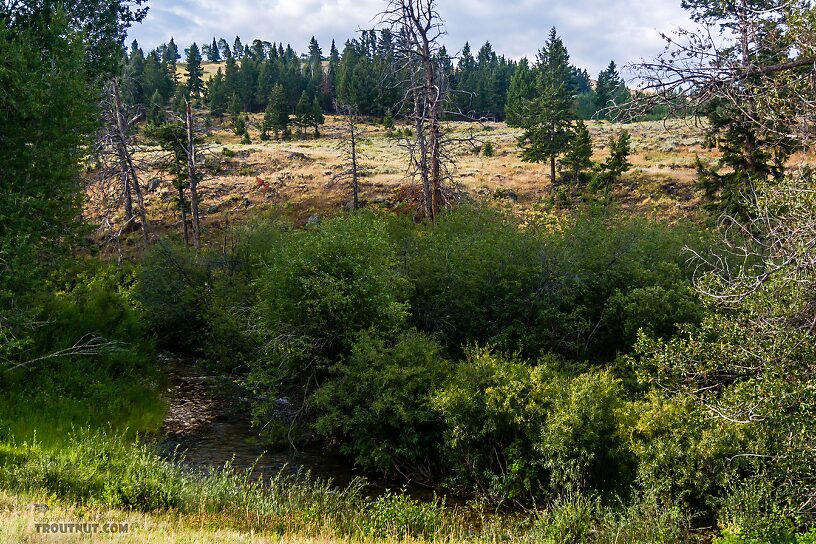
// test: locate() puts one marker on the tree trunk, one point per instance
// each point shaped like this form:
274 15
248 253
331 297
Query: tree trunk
126 194
182 206
435 136
131 179
354 181
552 157
191 171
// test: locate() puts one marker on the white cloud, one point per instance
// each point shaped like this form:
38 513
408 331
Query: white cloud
595 31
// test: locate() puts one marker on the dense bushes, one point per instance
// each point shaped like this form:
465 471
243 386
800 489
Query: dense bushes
88 362
377 403
361 331
316 291
478 354
577 292
521 430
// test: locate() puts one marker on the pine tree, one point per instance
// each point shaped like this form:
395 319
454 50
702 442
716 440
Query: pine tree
547 122
610 91
578 156
276 116
215 55
224 49
258 50
179 101
315 60
46 99
617 163
237 48
757 35
155 109
330 81
303 112
217 94
520 93
234 108
155 78
317 116
195 73
169 57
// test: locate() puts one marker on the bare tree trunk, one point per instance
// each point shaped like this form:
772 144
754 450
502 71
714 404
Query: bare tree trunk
129 176
420 28
552 170
354 178
422 160
552 158
182 207
351 158
127 197
432 98
193 175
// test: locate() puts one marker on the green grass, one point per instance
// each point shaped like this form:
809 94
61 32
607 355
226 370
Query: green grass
101 475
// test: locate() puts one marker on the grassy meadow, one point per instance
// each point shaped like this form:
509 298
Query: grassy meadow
301 174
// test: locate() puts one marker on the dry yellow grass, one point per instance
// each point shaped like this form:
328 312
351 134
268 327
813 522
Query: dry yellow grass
20 516
299 176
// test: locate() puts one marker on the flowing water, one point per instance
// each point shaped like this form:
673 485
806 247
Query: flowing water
208 424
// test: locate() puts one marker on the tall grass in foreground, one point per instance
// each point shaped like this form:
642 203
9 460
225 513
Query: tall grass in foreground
102 470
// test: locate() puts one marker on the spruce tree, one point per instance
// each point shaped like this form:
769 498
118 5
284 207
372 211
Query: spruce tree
617 163
215 55
155 109
276 116
578 156
237 48
303 112
317 116
547 122
757 52
217 94
195 73
155 77
234 107
169 57
520 93
610 91
224 49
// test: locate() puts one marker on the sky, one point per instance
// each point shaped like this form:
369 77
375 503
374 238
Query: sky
594 31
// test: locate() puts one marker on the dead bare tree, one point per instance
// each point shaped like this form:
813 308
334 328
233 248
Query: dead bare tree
192 174
116 144
183 154
419 28
417 65
746 53
349 142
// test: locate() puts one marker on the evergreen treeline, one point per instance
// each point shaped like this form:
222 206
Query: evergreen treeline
363 76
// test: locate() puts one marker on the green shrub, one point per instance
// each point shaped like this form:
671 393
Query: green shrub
579 292
398 516
570 519
316 292
487 149
522 431
473 273
90 362
172 293
680 454
377 404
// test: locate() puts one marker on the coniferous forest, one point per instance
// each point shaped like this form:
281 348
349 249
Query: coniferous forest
394 289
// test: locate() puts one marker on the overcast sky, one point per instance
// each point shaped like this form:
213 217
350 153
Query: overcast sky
594 31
